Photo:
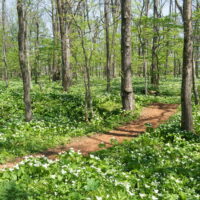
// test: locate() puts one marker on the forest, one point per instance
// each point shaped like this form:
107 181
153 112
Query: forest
99 99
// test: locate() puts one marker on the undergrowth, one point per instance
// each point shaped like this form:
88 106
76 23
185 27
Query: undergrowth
162 164
59 116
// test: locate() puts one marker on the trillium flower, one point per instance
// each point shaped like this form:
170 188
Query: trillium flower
53 176
142 195
154 198
63 171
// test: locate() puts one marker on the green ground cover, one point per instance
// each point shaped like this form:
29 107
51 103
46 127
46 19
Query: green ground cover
159 165
59 116
162 164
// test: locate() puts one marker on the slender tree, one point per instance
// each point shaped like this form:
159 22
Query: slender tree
4 57
62 6
107 30
154 65
144 41
115 5
56 35
186 91
37 43
126 73
22 42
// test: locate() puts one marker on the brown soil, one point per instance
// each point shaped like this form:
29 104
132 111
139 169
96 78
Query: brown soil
155 114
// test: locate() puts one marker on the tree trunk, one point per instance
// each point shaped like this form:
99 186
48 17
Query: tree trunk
37 55
115 12
4 57
56 30
195 89
22 41
108 57
154 66
145 51
65 44
126 73
186 91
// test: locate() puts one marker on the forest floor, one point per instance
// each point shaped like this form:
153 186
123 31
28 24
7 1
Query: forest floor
154 115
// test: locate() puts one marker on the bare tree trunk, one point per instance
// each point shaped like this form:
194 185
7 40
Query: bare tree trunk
195 89
168 42
22 41
126 73
37 55
65 44
186 91
56 30
108 57
154 66
145 51
115 12
197 62
4 57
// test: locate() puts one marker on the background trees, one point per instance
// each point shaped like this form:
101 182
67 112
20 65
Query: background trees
81 41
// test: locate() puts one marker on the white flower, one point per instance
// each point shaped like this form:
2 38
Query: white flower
177 181
99 198
79 152
154 198
142 195
91 156
53 176
45 166
36 165
156 191
63 171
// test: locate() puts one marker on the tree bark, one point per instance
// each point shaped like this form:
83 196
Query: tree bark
186 91
56 30
65 44
115 12
108 56
195 89
22 42
37 53
126 72
4 57
154 66
144 49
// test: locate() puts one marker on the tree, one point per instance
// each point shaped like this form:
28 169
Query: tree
4 57
107 30
62 6
108 56
56 30
154 65
142 26
87 30
22 43
126 73
115 5
37 42
186 90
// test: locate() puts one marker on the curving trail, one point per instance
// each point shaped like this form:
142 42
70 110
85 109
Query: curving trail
155 114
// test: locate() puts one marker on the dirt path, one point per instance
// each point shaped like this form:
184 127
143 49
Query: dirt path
155 114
